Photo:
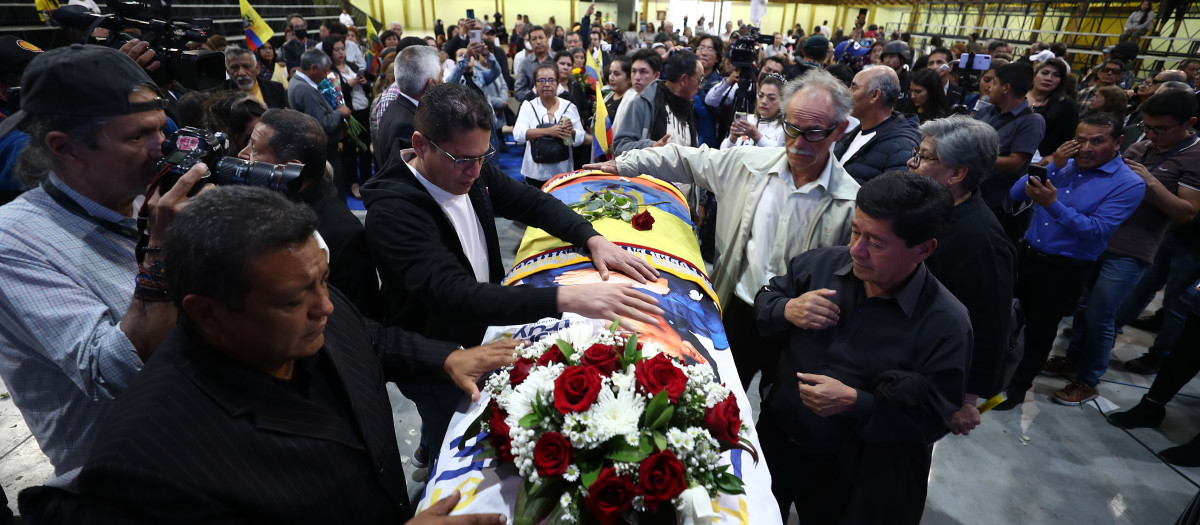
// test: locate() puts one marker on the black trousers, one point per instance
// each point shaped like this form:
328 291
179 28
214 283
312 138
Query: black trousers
865 483
751 351
1048 286
1181 365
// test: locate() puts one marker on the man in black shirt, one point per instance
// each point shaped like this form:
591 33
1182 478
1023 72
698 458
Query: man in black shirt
880 349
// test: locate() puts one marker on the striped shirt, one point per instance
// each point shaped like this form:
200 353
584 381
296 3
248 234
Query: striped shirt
65 284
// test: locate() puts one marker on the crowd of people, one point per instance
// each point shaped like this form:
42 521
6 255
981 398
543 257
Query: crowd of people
855 195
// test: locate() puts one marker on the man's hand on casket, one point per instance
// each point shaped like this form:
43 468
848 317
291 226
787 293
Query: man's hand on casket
608 256
465 367
608 301
439 514
824 395
608 166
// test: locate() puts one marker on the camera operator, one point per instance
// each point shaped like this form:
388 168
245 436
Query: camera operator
75 331
285 135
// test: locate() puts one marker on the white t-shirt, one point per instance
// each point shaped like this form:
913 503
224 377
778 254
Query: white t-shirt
466 224
859 141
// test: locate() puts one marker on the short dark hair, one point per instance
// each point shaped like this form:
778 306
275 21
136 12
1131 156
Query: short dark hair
452 108
678 64
995 44
919 208
1059 49
1018 75
410 41
337 28
387 33
1104 119
943 51
213 241
650 57
229 112
299 136
1116 62
1178 105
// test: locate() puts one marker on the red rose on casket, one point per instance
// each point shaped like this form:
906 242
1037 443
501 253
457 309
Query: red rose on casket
603 357
520 370
661 478
643 221
724 421
498 431
551 454
576 388
553 355
657 374
609 496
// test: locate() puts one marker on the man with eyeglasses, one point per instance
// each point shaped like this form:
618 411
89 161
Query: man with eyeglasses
1087 192
1171 153
781 202
431 226
242 67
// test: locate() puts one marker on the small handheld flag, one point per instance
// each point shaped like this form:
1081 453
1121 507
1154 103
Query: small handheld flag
257 30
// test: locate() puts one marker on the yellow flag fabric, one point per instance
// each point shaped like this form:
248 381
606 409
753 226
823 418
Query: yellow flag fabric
602 128
257 30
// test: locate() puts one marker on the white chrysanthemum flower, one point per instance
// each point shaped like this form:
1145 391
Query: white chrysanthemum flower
680 441
580 335
616 414
651 349
624 380
572 473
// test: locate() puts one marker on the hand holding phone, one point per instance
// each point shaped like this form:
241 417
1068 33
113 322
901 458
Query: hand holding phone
1037 172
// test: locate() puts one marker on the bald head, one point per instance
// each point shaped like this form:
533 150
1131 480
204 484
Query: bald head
1170 75
876 90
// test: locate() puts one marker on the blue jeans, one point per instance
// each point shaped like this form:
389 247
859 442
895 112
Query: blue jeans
1176 266
1092 333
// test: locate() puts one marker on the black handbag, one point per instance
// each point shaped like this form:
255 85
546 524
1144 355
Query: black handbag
548 150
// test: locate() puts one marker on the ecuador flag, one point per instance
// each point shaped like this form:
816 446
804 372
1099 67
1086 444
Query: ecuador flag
602 127
257 30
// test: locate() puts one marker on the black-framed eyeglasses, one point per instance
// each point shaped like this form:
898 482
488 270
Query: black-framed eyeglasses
918 157
810 135
465 162
1158 130
1110 70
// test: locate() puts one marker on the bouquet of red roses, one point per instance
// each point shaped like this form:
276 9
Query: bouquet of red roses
599 424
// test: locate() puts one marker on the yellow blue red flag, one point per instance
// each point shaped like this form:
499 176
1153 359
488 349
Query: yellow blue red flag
602 127
257 30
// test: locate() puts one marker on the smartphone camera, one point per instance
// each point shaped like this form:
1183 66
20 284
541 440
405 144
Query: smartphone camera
1037 172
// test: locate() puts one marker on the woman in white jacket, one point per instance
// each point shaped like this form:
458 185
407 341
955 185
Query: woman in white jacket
547 108
765 127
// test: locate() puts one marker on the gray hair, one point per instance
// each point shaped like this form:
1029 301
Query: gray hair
314 57
888 85
414 67
821 80
213 241
232 52
36 160
960 140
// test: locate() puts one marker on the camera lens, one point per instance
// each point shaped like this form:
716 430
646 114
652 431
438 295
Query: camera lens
284 178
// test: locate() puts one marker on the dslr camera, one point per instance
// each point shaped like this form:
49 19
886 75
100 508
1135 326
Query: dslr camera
197 70
187 146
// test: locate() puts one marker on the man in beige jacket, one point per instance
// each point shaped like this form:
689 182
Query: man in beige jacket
775 203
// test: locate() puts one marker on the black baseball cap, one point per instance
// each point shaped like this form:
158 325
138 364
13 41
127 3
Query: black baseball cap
15 53
82 80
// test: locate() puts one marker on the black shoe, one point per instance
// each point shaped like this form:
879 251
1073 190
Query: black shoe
1186 455
1010 403
1146 364
1150 323
1145 414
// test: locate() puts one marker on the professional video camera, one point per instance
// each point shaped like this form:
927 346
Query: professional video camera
187 146
616 39
198 70
744 52
971 68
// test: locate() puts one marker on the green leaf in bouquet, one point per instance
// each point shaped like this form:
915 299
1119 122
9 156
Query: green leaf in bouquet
612 328
590 466
487 451
646 443
529 420
729 483
561 516
565 348
631 347
534 502
473 430
654 408
621 451
660 440
664 419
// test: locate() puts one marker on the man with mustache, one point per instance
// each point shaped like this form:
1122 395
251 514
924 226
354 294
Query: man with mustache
1086 195
243 75
783 201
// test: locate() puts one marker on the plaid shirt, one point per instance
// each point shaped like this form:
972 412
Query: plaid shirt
65 284
382 102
